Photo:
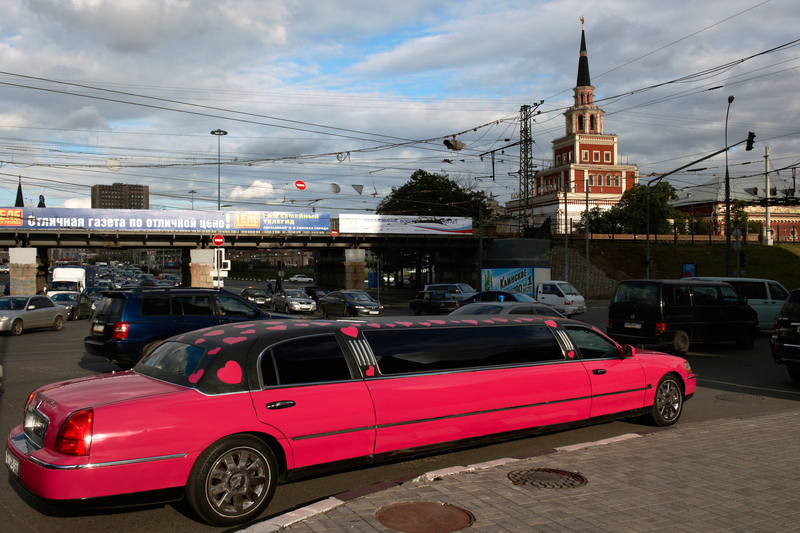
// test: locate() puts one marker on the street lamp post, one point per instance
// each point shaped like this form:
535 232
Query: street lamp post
192 192
219 133
727 197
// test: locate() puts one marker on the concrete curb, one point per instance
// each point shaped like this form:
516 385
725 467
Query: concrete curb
287 519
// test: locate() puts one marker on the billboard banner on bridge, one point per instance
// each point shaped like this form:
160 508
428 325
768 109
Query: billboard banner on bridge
50 218
415 225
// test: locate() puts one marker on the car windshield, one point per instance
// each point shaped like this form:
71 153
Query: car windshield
65 297
566 288
637 292
12 303
173 361
255 292
296 294
521 297
64 286
440 295
478 310
464 287
358 297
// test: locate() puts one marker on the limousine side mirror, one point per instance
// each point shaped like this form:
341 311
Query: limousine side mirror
628 351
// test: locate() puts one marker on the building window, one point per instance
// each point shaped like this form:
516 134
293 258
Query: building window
591 123
616 180
608 157
580 122
591 180
570 157
558 160
585 155
596 156
608 180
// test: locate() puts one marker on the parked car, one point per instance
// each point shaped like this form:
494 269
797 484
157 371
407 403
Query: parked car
507 308
128 324
315 293
174 278
226 413
293 301
260 297
349 302
301 278
77 304
436 302
18 313
4 269
498 296
785 341
764 295
459 291
680 312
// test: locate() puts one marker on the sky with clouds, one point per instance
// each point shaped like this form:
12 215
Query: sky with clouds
363 93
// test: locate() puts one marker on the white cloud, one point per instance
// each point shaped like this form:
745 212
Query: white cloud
257 191
78 203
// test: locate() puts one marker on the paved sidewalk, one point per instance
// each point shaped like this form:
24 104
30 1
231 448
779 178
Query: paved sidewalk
737 474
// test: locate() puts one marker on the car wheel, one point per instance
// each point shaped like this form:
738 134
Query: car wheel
747 337
347 312
417 311
323 312
232 481
668 403
794 372
16 327
680 343
58 323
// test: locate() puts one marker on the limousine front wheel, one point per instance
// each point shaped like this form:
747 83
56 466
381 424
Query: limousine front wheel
668 402
232 481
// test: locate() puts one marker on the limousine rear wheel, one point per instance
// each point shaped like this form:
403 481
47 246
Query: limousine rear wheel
232 481
668 403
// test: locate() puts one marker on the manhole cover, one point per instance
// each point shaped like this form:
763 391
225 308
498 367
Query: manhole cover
547 478
425 517
739 397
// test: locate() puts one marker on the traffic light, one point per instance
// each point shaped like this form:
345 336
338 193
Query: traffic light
750 137
742 259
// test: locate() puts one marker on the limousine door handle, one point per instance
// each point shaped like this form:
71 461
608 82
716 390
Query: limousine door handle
599 371
284 404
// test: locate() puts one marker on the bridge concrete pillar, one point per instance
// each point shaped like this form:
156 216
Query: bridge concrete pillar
27 269
201 267
186 267
341 268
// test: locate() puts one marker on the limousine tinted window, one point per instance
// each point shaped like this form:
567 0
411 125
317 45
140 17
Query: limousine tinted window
305 360
591 344
408 351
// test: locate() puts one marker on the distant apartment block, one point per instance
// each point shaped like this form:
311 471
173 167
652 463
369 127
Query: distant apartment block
120 196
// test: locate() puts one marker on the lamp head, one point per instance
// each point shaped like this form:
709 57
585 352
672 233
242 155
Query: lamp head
730 99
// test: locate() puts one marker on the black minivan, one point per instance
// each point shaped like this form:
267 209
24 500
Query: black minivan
680 312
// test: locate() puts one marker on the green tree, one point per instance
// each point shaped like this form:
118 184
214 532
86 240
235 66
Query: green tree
431 194
633 207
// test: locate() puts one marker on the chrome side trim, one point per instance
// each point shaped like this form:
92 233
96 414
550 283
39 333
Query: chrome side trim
50 466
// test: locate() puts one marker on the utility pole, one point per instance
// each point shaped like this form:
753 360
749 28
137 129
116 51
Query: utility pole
768 229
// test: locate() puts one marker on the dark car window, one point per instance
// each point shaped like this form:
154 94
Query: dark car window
479 310
642 293
156 305
109 308
591 344
679 296
173 362
192 305
777 292
752 290
705 296
729 295
232 306
400 352
307 360
523 310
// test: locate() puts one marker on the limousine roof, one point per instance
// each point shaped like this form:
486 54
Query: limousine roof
225 368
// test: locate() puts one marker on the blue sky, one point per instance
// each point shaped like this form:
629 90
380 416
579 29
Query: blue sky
297 82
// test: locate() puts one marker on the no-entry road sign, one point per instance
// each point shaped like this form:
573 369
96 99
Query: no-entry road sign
218 240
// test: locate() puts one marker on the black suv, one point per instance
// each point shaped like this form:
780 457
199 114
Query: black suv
785 341
128 324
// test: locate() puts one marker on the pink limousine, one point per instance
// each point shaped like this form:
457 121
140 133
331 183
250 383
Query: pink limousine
221 415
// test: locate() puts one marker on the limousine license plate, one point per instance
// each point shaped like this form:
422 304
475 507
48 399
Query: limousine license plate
12 463
98 328
633 325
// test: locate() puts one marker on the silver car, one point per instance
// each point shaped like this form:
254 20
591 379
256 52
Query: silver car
25 312
293 301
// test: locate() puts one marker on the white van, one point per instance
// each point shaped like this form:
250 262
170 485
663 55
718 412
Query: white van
764 295
562 296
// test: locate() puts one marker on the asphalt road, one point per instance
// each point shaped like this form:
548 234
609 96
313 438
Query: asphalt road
731 382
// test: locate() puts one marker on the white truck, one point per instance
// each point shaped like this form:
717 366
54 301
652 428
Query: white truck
562 296
71 278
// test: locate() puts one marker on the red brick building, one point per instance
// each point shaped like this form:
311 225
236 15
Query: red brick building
584 158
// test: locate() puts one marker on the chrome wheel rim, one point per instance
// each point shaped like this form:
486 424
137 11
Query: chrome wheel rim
237 482
668 401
